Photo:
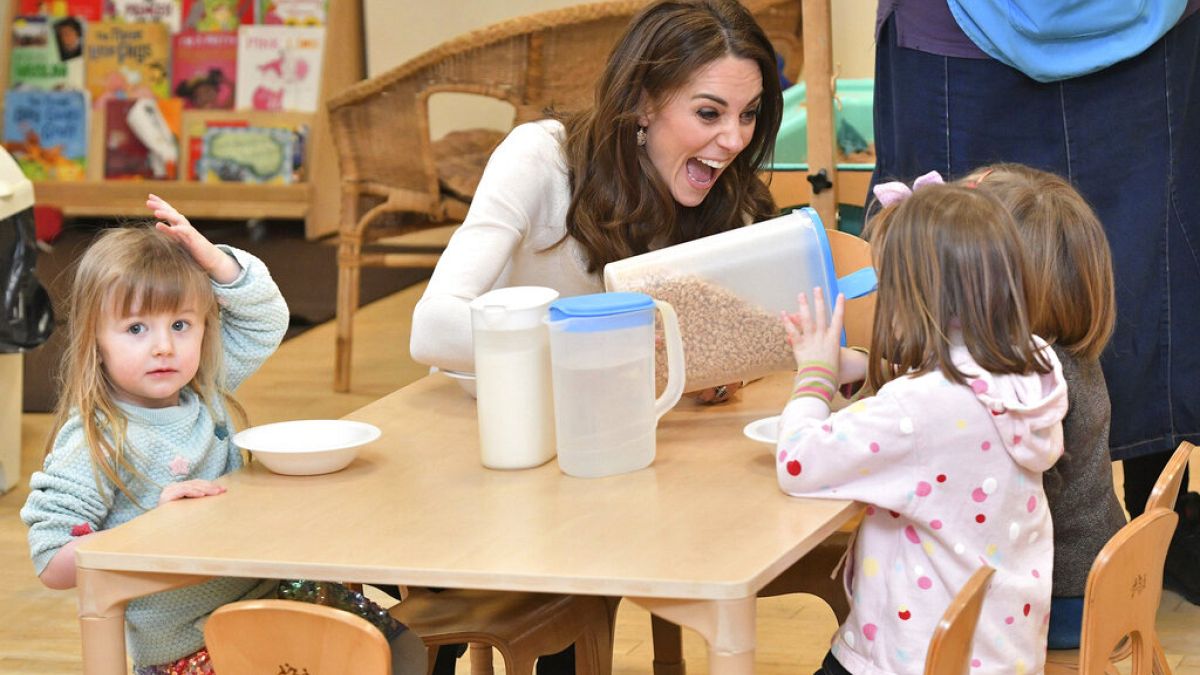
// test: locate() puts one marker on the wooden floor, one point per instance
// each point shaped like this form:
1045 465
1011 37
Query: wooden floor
38 629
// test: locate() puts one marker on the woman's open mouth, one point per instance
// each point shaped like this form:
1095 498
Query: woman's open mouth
701 173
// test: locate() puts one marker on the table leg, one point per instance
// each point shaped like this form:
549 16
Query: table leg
726 625
103 595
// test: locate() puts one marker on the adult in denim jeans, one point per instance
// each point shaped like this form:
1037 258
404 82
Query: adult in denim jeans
1126 136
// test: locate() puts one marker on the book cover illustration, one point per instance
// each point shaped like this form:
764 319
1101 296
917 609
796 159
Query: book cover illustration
193 137
292 12
46 53
127 60
279 68
139 11
46 132
247 155
204 67
222 16
88 10
141 138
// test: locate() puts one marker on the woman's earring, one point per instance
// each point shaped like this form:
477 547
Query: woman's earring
641 136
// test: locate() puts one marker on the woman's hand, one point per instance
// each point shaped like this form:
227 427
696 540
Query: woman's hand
718 394
189 489
811 335
221 267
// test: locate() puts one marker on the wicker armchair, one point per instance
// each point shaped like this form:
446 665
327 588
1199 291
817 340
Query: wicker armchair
391 182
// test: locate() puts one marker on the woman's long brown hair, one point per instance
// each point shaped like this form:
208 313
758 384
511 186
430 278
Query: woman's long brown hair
128 268
950 256
619 204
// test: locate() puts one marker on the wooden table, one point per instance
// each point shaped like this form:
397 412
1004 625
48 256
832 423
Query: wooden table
691 538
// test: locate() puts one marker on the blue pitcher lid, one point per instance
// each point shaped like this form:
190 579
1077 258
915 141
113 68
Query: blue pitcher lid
599 304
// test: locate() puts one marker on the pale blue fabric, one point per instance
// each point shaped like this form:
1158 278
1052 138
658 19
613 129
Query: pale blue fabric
64 495
1051 40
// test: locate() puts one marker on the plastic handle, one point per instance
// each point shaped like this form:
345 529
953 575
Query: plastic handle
675 365
859 283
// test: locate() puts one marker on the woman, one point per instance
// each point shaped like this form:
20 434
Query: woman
685 114
1117 114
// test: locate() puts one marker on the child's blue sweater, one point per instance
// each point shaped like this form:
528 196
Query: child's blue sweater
184 442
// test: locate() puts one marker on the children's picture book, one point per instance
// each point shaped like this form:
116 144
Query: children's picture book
87 10
204 68
193 138
217 15
127 60
47 53
195 126
141 138
46 132
292 12
279 68
137 11
247 155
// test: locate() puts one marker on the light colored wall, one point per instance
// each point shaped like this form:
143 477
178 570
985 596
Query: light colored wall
398 30
854 37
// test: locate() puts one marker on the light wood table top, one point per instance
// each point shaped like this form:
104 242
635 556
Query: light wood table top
699 531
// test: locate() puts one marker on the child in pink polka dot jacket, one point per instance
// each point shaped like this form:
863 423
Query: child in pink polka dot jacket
949 452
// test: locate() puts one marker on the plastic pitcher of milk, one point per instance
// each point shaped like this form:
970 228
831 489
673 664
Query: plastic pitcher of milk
602 356
512 376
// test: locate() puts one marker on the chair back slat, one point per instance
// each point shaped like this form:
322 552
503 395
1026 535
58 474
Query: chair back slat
1166 488
253 637
1123 592
949 650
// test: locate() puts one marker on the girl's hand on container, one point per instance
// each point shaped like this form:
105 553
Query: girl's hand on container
811 335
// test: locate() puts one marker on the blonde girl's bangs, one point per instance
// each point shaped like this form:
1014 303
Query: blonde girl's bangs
158 286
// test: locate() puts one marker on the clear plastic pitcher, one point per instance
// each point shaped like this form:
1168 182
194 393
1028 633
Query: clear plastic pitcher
512 376
602 356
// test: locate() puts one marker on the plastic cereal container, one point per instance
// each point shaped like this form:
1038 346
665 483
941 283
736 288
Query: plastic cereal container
729 288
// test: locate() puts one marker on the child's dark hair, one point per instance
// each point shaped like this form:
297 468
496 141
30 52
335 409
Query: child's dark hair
1070 264
949 257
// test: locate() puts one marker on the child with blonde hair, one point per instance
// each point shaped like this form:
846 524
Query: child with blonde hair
949 452
163 325
1074 308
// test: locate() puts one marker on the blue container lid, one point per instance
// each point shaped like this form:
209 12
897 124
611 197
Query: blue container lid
599 304
603 311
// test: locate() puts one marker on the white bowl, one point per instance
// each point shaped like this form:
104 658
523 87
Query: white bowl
465 380
765 430
306 447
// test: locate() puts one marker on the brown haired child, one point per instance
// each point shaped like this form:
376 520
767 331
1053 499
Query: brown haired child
1074 308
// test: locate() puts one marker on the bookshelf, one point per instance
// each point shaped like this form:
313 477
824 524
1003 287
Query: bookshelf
317 200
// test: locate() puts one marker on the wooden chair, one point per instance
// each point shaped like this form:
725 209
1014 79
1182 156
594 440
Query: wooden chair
391 179
1166 488
1121 601
949 650
521 626
253 637
851 253
1141 613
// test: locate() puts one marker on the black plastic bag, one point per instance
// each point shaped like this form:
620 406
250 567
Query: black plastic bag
26 315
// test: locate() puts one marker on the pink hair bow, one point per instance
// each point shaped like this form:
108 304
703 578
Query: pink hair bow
895 192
